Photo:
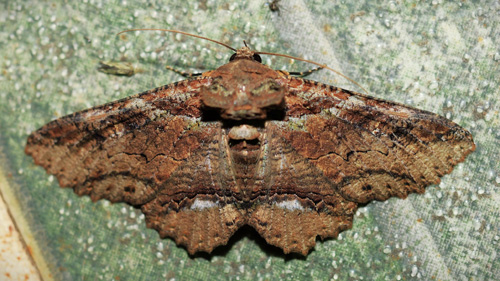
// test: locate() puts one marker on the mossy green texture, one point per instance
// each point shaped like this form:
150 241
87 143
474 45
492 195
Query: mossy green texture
438 56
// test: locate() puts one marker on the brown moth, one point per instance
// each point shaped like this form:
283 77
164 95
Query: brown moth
248 145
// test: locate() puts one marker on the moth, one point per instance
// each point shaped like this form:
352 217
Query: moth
248 145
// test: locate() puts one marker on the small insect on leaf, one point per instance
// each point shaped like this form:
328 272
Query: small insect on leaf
248 145
118 68
274 6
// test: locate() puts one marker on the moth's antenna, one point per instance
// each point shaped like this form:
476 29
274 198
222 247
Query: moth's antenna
313 62
180 32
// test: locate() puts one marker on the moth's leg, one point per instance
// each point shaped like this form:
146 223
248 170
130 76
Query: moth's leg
305 73
183 73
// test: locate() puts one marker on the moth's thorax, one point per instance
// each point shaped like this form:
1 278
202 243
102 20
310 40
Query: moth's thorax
244 89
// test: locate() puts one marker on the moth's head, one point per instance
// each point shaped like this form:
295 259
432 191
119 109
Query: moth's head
244 88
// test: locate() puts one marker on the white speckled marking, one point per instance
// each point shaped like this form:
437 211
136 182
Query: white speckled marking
203 204
290 205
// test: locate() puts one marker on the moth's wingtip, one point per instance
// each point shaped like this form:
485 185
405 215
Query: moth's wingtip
473 147
467 151
27 150
28 147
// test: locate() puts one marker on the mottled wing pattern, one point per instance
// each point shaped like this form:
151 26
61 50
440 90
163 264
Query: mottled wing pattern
149 149
301 202
123 150
369 148
337 149
197 209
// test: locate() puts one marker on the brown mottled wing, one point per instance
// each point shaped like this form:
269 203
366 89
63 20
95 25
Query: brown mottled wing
196 210
133 149
123 150
358 149
301 203
369 148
